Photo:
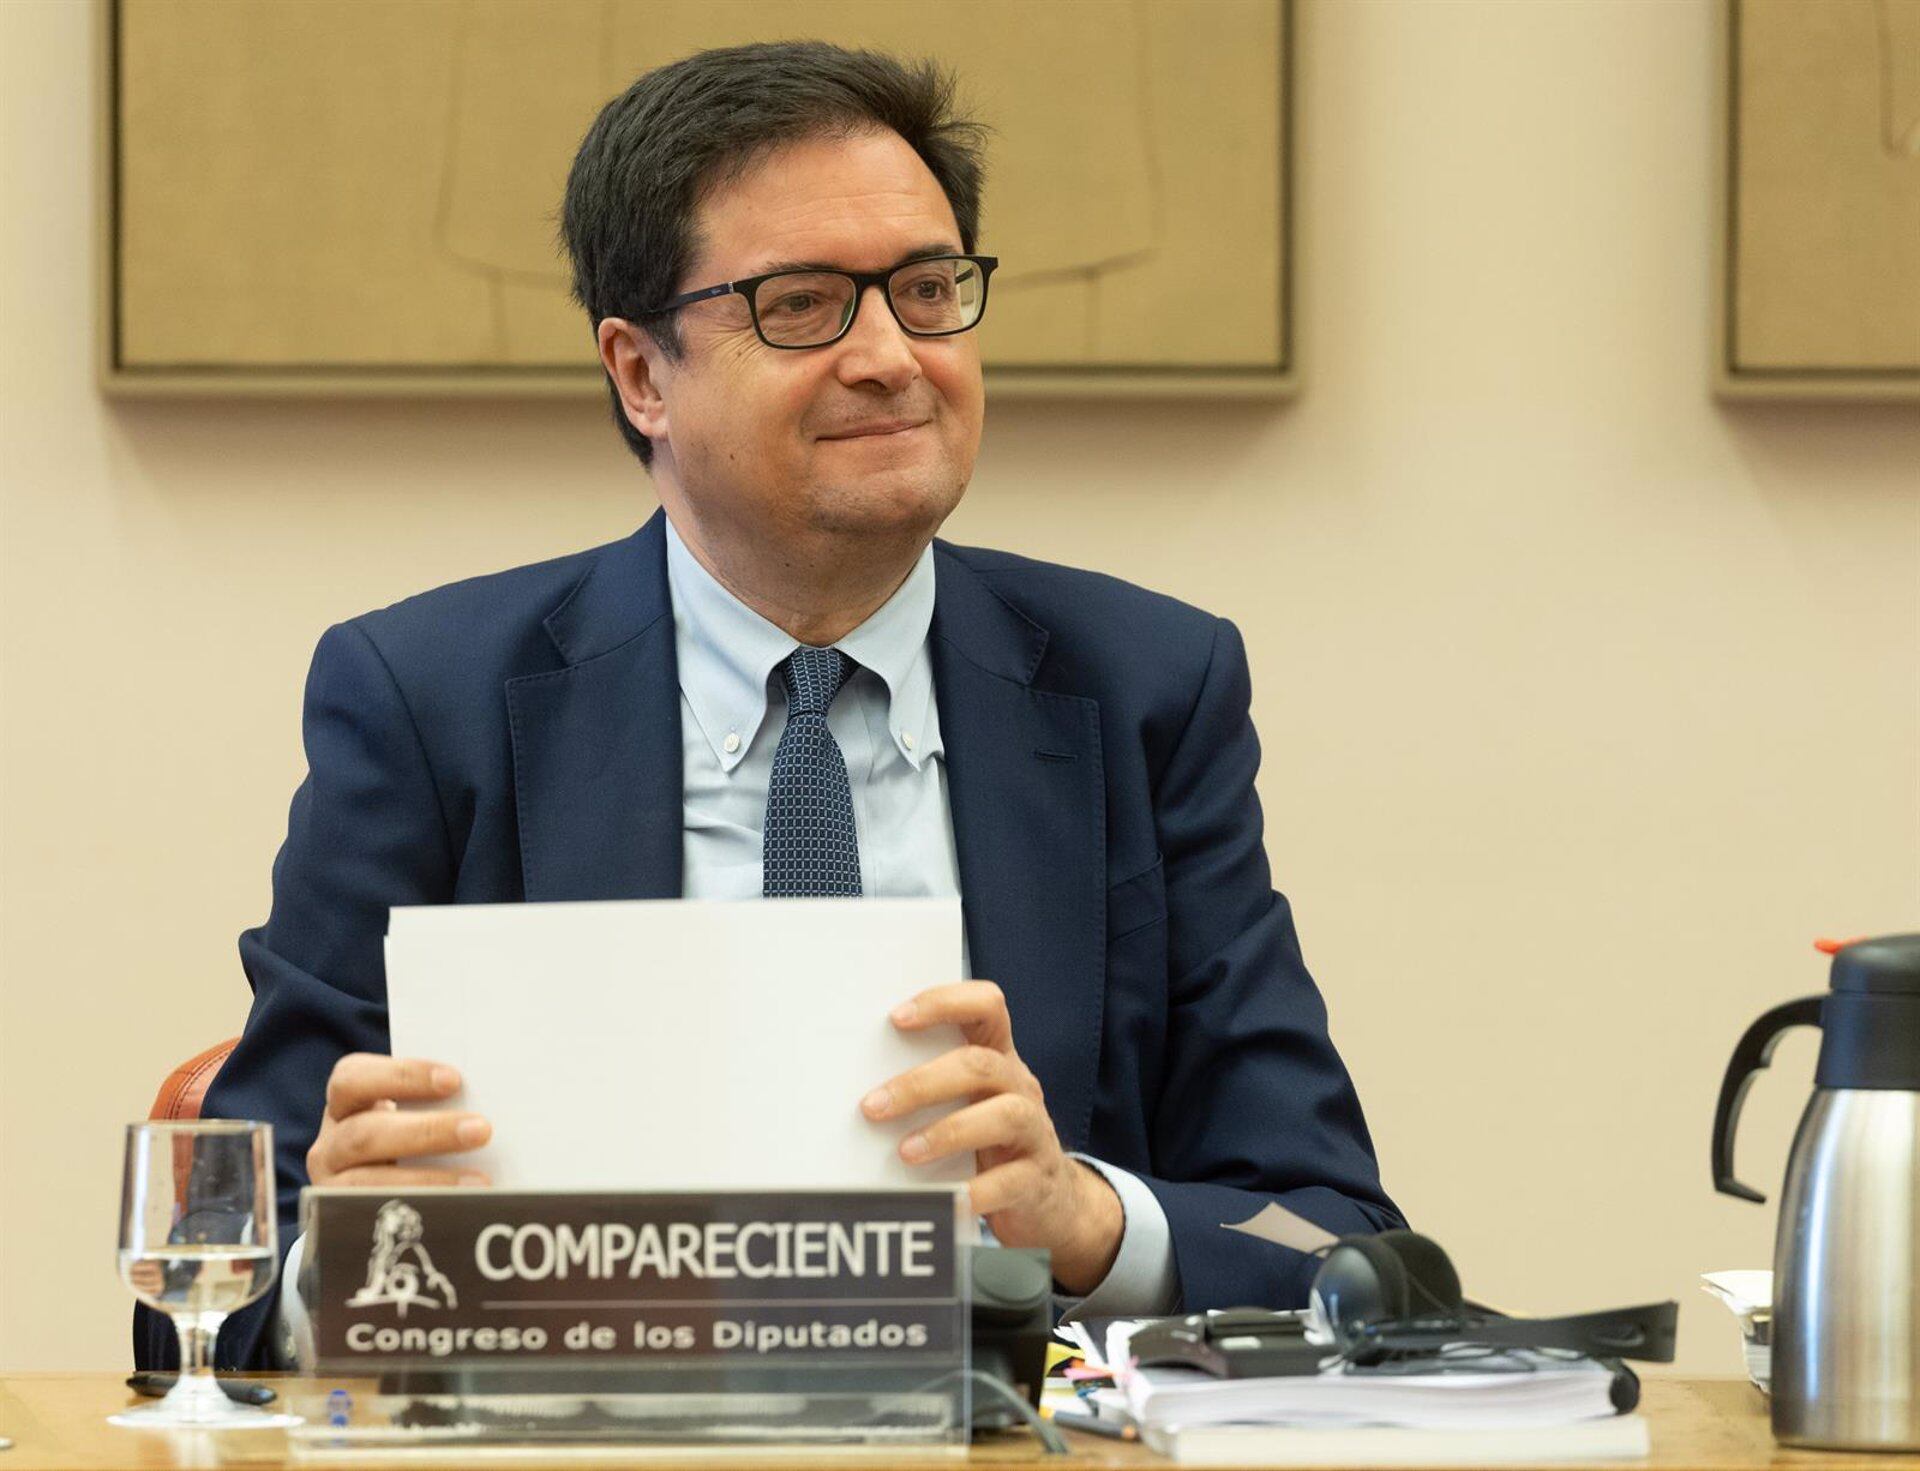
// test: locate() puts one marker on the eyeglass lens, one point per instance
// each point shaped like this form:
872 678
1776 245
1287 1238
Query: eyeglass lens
929 298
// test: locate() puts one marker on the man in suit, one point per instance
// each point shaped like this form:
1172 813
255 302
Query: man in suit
782 684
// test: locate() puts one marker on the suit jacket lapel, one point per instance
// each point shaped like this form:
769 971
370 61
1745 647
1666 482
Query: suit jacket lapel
596 745
1027 792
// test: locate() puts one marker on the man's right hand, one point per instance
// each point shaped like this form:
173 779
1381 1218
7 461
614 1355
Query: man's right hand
366 1138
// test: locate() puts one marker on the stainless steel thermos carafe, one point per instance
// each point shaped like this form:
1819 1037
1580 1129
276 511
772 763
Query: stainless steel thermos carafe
1846 1313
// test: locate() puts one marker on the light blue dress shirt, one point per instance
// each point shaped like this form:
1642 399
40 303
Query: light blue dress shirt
733 710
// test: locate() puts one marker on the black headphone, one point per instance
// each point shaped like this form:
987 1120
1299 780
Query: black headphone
1397 1292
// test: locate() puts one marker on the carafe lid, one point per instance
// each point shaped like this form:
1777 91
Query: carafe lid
1888 965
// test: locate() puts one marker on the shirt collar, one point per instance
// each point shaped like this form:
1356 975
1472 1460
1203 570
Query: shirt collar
727 651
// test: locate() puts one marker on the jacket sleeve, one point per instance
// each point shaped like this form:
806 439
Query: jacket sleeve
1257 1110
366 831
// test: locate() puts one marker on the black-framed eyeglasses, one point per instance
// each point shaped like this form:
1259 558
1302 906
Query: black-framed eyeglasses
935 296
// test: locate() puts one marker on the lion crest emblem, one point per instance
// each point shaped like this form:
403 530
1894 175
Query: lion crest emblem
399 1270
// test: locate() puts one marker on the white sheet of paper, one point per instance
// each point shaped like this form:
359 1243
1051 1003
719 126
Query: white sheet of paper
665 1044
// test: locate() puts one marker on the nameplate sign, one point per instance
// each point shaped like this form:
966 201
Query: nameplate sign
471 1277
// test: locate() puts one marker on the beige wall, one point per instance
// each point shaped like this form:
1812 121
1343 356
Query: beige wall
1587 703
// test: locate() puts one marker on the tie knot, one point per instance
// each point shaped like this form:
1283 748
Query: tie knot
813 677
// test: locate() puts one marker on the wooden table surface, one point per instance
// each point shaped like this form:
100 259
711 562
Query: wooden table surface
58 1422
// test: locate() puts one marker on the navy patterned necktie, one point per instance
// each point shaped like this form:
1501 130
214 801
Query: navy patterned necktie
810 847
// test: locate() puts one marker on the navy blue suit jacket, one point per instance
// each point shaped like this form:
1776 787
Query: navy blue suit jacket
517 737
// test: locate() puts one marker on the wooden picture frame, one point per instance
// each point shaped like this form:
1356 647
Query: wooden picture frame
1800 309
124 369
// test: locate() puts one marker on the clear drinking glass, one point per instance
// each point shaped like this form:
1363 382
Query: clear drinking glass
197 1242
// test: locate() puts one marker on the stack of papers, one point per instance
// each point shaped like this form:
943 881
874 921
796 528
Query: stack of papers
1523 1406
1749 1296
1534 1390
1615 1438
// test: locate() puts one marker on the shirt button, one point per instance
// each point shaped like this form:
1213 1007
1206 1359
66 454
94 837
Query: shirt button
906 739
731 743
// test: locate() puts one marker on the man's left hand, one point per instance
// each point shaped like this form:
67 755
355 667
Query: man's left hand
1029 1191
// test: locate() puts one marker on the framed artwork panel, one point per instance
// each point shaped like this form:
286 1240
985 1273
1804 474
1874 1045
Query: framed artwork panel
1819 255
309 196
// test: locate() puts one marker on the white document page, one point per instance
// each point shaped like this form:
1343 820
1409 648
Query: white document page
665 1044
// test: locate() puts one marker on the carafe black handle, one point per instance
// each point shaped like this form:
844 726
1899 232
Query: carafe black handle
1754 1052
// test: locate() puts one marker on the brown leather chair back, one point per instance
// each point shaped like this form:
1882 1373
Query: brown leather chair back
181 1095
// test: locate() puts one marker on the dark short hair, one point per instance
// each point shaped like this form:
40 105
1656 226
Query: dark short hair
684 128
